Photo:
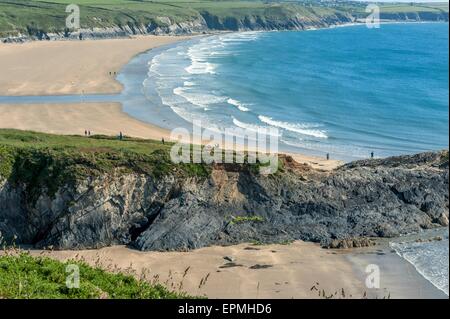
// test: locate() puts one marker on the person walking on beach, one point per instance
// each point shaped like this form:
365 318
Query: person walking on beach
328 156
371 155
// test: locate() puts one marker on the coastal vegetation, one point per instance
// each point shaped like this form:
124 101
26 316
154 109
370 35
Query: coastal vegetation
47 161
23 276
51 161
243 219
39 18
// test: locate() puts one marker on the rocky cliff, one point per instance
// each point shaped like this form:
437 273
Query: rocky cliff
371 198
205 21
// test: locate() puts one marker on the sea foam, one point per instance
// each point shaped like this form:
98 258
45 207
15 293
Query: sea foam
199 99
429 258
303 129
238 104
252 127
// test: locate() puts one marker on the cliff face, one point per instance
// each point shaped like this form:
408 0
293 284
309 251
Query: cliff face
205 23
379 198
252 22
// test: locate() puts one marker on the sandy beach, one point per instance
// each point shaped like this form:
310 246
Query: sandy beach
398 278
265 271
70 67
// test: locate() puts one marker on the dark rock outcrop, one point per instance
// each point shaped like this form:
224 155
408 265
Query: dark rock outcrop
351 243
369 198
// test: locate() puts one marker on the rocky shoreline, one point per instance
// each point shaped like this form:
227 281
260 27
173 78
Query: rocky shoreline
369 198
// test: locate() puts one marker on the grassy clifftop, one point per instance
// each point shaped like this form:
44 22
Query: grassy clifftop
33 16
25 277
38 159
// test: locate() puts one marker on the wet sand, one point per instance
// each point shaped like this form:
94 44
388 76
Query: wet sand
102 118
398 278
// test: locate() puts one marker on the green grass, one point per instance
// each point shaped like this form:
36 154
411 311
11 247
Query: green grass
31 16
246 219
28 17
425 7
23 276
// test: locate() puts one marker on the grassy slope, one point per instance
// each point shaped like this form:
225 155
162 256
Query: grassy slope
25 277
30 15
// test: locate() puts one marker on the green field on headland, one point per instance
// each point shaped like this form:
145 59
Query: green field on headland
51 161
37 17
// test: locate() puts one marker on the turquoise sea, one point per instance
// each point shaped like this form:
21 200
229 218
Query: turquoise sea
345 91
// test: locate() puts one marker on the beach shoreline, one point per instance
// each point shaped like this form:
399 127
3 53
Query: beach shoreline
399 278
295 270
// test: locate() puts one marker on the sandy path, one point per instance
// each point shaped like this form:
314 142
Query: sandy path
292 269
69 67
